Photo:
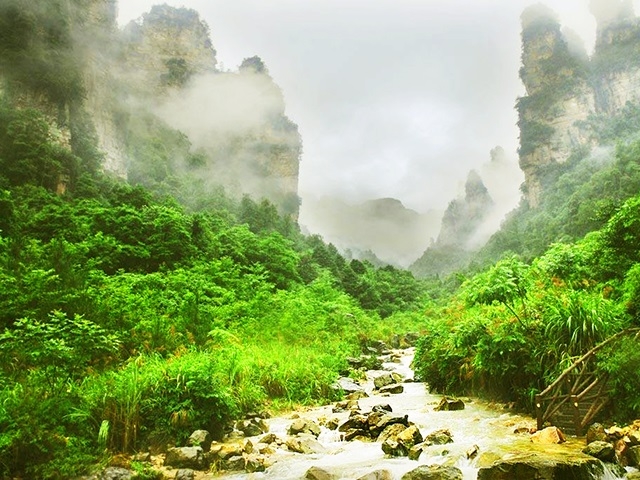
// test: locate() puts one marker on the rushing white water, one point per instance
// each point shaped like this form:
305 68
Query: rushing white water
478 425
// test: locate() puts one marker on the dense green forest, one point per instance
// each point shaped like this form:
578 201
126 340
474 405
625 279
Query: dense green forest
129 321
133 312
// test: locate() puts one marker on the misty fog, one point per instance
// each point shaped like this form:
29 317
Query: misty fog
393 100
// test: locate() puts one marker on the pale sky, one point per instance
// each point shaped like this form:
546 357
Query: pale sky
394 98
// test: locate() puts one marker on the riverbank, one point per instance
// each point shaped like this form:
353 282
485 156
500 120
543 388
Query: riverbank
311 443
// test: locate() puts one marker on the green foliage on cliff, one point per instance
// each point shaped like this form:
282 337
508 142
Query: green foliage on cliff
37 50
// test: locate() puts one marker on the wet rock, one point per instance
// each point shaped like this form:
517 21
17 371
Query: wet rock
472 452
365 362
185 474
439 437
345 406
235 463
449 404
633 456
355 434
228 450
393 389
543 467
347 385
357 395
252 427
333 423
399 442
633 476
355 422
306 444
416 451
142 457
268 438
549 435
377 475
382 408
391 431
265 449
185 457
301 425
383 380
601 450
115 473
200 438
317 473
621 448
595 433
254 463
384 421
434 472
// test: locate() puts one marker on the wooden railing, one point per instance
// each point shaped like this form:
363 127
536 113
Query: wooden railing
574 399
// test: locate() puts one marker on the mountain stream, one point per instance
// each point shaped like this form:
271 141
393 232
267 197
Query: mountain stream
480 428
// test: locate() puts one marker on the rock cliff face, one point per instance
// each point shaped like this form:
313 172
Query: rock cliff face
564 88
131 90
464 215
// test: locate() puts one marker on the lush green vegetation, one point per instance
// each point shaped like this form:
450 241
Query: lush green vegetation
128 319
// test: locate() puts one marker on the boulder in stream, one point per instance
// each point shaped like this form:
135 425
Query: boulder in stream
377 475
601 450
449 404
399 440
596 432
633 456
439 437
435 472
383 380
300 425
546 466
347 385
252 427
549 435
393 389
304 444
317 473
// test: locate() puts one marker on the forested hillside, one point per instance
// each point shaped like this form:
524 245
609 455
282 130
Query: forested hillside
133 312
561 275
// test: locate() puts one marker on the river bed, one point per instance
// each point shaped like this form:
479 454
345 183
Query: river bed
479 426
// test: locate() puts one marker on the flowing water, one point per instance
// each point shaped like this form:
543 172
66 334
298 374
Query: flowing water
480 426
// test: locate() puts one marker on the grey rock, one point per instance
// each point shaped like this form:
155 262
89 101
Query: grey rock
185 474
301 425
439 437
393 389
306 444
200 438
347 385
543 467
601 450
449 404
252 427
185 457
317 473
383 380
115 473
437 472
596 432
633 456
377 475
